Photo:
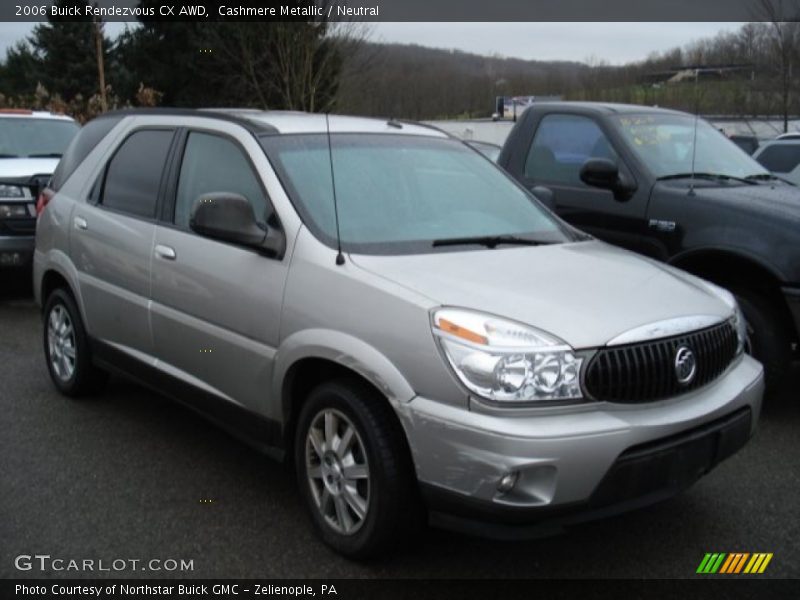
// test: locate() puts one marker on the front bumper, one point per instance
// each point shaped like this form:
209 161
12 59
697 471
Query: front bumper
578 464
16 251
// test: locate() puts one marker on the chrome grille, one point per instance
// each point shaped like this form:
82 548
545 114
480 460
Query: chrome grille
645 371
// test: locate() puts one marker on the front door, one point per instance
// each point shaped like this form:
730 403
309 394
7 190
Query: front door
216 305
561 145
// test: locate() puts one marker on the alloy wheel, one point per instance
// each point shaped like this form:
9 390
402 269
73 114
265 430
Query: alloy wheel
61 343
338 471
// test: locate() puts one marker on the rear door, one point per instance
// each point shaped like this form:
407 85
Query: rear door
559 147
111 240
216 305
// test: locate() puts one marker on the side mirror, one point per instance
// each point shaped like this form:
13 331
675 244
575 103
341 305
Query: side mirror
229 217
545 196
603 173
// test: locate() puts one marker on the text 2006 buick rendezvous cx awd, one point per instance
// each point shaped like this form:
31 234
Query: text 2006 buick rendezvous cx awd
468 352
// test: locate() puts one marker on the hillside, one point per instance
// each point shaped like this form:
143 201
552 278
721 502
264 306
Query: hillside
415 82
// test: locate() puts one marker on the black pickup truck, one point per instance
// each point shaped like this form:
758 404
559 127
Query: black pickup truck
670 186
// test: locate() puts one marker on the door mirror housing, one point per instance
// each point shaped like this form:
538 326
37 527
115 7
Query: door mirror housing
545 196
229 217
605 174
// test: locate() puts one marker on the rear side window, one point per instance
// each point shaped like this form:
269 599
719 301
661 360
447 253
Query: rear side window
84 142
133 176
562 144
780 158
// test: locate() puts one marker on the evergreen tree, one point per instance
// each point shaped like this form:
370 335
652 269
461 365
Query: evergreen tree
65 51
59 54
265 64
165 55
20 72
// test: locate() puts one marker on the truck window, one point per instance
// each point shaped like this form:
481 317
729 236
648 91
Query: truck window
560 147
780 158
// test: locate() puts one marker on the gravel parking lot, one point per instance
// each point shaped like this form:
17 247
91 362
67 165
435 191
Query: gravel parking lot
131 475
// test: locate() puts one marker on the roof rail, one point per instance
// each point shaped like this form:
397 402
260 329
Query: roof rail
222 114
427 126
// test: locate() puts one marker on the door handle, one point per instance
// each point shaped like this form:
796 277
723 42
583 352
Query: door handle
165 252
80 223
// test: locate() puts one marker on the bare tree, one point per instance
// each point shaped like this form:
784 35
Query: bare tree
309 61
289 65
784 43
101 70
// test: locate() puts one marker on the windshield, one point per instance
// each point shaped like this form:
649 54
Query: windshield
664 143
399 193
24 137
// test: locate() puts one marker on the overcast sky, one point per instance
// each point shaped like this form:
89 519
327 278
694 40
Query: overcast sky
616 43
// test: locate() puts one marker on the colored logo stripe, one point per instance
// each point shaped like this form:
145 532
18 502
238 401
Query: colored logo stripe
758 563
710 563
733 563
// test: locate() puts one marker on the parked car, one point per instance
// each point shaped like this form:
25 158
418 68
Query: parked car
489 150
30 145
781 158
792 135
629 175
390 311
748 143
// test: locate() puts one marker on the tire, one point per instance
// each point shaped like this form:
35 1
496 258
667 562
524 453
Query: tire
768 340
363 499
66 348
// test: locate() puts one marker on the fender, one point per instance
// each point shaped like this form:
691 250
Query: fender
734 251
343 349
58 262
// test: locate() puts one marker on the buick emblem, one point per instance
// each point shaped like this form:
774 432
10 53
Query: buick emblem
685 365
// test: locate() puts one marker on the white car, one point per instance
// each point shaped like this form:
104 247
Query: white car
31 144
781 157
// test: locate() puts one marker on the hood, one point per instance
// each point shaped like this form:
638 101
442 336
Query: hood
585 293
18 168
779 199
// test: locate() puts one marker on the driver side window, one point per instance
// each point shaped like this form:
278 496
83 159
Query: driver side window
212 163
560 147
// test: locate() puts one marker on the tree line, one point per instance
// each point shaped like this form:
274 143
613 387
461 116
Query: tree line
316 65
74 67
423 83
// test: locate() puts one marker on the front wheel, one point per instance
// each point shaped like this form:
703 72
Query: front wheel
354 471
767 340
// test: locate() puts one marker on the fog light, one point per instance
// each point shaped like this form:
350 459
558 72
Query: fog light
507 482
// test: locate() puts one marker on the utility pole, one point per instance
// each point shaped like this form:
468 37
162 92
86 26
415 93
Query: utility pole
101 71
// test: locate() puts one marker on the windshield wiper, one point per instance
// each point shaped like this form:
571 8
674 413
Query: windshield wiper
761 177
769 177
711 176
9 155
490 241
45 155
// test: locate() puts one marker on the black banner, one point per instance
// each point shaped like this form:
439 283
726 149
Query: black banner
406 10
417 589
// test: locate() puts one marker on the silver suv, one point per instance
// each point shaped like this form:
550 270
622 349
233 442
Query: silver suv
381 305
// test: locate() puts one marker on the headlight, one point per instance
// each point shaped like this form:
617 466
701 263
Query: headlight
737 320
741 328
11 191
505 361
13 211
